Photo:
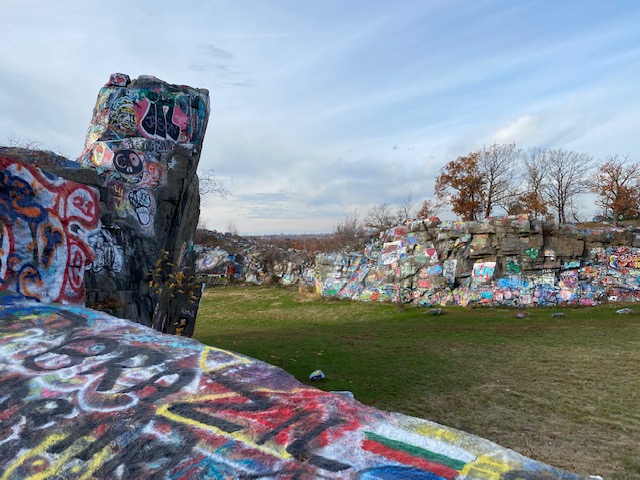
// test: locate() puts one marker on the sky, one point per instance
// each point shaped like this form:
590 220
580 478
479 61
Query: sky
323 108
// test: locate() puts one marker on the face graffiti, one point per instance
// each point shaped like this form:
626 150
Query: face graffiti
128 162
45 221
140 200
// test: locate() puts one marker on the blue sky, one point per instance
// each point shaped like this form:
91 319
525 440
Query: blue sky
321 107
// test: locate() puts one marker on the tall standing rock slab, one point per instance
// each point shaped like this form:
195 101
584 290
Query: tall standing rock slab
144 142
140 159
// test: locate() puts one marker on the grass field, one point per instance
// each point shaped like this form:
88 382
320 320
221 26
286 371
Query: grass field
564 390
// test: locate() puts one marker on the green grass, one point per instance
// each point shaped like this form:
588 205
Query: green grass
563 390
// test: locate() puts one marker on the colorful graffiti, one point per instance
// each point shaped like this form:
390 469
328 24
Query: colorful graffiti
483 272
150 110
85 395
45 224
623 258
134 125
411 269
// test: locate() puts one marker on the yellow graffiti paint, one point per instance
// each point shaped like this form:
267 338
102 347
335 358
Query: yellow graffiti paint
239 360
56 469
437 432
35 452
485 468
14 334
268 448
96 462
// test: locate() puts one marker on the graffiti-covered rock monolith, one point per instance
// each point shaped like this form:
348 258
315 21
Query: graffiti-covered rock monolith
144 142
140 157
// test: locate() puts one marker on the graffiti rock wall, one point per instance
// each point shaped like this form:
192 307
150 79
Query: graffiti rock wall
216 266
502 261
141 154
86 395
45 226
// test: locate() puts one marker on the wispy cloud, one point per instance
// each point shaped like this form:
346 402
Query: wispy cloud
334 86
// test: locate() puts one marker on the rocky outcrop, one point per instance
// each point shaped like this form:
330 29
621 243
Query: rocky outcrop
511 261
140 158
502 261
223 259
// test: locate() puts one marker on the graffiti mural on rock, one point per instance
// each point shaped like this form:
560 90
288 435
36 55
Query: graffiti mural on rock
108 255
45 224
165 116
135 128
439 263
86 395
464 268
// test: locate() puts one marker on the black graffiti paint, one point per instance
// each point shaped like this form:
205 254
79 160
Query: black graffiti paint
209 413
128 357
148 458
163 383
158 121
301 449
198 411
128 162
140 200
53 238
70 353
40 412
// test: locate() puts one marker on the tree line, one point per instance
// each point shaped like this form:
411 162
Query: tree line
542 182
503 179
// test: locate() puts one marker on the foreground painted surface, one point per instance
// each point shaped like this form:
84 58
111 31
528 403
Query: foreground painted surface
85 395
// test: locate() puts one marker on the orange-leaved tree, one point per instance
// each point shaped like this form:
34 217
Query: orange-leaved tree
616 181
462 184
429 209
530 202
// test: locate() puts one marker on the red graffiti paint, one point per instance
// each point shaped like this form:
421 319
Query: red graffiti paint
45 222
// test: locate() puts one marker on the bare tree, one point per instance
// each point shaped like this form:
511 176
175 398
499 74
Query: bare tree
350 232
530 197
202 224
380 218
405 212
566 177
497 163
212 184
617 184
15 141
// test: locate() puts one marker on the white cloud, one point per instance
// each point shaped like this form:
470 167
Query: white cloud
309 98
